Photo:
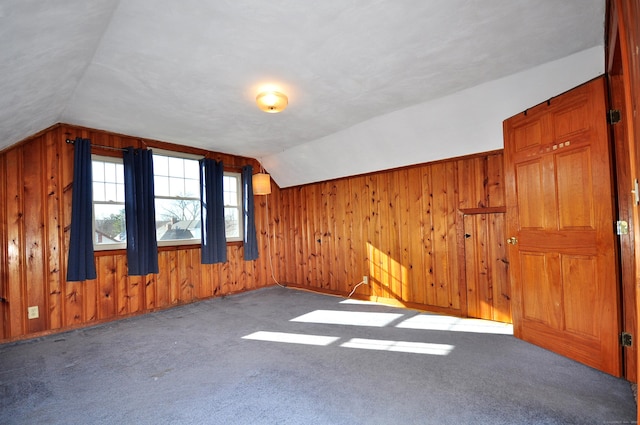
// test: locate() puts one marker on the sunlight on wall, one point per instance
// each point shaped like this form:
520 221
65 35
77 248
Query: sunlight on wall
386 272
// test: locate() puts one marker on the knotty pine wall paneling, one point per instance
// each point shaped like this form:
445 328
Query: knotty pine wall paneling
403 228
36 182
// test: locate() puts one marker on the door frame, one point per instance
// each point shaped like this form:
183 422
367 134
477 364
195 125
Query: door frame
620 77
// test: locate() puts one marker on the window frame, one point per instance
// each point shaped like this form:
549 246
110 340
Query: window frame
173 242
237 207
104 246
181 155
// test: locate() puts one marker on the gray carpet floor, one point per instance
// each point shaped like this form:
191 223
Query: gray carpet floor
285 356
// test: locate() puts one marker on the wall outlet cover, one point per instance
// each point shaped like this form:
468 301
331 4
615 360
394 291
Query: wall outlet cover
33 312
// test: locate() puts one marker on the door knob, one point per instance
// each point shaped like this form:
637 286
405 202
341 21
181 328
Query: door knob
512 240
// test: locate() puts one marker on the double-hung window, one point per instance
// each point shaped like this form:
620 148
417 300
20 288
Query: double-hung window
177 201
109 230
177 191
232 184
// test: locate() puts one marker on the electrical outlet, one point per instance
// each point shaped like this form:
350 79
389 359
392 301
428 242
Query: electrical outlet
33 312
365 279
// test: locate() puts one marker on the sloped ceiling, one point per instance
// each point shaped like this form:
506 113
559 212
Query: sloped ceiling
188 71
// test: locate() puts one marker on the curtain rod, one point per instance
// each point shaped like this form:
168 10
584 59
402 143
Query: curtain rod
99 146
123 150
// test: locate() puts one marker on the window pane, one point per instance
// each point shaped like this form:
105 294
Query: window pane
109 172
97 170
160 165
192 188
98 191
177 219
176 167
120 191
109 223
230 191
176 186
120 175
161 185
192 169
110 192
232 222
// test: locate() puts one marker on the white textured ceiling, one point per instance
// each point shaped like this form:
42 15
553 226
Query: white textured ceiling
188 71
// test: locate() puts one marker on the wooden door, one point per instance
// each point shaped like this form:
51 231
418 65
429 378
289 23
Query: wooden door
560 226
486 267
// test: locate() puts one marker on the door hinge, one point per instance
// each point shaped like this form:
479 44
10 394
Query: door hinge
626 339
613 116
622 227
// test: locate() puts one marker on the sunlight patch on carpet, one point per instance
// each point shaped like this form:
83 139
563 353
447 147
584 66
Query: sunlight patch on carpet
292 338
455 324
353 318
399 346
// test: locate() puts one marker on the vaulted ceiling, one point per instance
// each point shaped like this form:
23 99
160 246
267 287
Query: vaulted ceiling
372 84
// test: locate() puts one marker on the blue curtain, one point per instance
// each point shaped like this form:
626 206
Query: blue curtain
248 212
140 214
81 264
214 240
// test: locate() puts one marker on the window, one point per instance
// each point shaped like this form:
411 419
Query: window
177 201
232 184
177 190
109 230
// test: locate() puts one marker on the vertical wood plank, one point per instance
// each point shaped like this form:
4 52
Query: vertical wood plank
206 278
453 278
357 234
53 224
122 286
418 226
33 219
184 273
499 268
287 243
163 280
385 248
431 241
105 266
195 266
404 233
372 198
322 235
495 180
149 292
14 206
312 240
440 263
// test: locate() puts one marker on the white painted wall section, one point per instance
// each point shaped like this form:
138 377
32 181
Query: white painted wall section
469 121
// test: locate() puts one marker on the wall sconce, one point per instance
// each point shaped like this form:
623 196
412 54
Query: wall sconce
272 101
261 184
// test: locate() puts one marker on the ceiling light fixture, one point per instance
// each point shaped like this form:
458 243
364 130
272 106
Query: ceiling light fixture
272 101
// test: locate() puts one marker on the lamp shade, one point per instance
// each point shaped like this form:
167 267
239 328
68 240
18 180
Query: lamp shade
261 184
272 101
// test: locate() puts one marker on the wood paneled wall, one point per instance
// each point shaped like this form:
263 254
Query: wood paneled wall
36 184
402 228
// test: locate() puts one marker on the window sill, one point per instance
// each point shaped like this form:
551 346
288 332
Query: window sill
120 251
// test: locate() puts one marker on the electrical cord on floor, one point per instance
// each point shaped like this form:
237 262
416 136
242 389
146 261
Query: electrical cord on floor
269 244
355 287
